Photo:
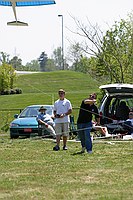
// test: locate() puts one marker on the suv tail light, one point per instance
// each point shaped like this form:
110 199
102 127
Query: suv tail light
100 114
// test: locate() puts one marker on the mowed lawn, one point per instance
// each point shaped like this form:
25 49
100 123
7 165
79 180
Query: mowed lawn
42 88
30 169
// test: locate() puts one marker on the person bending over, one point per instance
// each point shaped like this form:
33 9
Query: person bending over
84 122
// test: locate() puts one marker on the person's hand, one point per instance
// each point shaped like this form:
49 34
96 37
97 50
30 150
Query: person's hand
46 125
97 124
62 115
57 116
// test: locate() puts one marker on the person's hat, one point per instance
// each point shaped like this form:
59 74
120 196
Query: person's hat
61 90
42 108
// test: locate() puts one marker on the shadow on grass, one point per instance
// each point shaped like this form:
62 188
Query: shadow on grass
77 153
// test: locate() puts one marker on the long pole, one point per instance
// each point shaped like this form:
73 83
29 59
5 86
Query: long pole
62 43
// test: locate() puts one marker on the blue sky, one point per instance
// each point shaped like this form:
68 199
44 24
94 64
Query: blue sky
44 30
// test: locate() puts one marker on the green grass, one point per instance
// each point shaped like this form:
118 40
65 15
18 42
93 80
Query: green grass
50 82
30 169
42 88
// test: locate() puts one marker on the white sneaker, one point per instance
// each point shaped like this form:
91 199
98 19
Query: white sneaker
90 152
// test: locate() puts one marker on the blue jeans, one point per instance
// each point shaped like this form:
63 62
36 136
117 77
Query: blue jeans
84 135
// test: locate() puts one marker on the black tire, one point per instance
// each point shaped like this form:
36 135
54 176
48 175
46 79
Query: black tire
39 131
12 136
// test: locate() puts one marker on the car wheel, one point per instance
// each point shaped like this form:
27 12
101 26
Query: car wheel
39 131
12 136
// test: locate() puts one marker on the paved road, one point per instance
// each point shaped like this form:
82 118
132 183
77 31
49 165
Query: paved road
24 72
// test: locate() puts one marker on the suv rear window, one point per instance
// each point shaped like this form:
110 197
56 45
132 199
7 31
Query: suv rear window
112 104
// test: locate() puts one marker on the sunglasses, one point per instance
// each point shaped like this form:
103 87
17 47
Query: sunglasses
61 93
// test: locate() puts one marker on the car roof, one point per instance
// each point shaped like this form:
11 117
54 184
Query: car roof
118 88
40 105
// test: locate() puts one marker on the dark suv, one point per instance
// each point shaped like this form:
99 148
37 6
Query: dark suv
115 95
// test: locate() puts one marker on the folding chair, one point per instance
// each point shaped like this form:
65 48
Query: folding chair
73 127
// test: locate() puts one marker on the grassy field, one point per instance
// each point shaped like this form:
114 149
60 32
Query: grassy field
30 169
42 88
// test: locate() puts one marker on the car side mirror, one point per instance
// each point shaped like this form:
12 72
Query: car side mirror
16 116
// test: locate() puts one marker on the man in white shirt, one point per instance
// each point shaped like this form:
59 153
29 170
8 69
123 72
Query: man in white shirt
62 110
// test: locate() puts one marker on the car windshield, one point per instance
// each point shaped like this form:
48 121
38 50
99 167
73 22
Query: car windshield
34 111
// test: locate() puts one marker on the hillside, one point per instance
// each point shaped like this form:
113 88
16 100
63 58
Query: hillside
41 88
52 81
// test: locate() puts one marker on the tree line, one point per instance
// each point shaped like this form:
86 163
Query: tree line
106 56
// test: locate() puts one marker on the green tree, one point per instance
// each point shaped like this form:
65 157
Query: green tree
82 65
7 77
16 63
75 54
32 66
57 57
4 57
112 53
117 52
50 65
43 60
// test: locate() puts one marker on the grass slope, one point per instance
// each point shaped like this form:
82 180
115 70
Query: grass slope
41 88
50 82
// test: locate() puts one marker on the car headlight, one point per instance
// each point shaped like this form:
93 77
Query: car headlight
14 125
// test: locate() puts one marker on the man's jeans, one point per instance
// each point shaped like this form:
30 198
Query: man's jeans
84 135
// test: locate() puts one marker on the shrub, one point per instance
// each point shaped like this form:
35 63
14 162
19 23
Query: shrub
7 77
18 91
5 92
12 91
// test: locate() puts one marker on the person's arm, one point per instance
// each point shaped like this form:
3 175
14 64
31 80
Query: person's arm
97 117
90 101
67 113
42 122
97 121
54 113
